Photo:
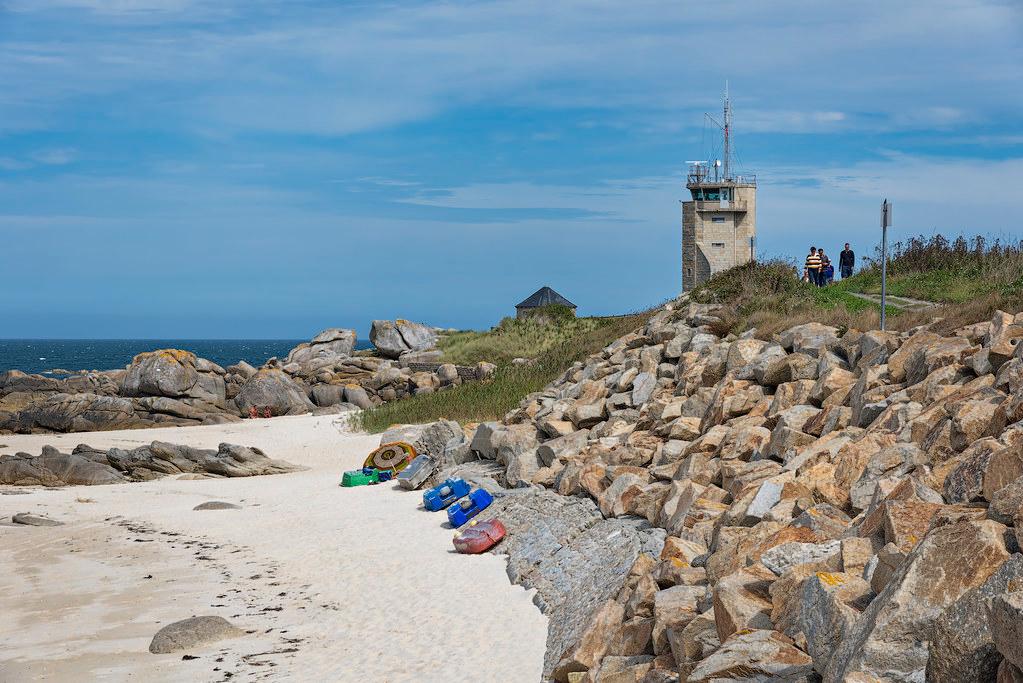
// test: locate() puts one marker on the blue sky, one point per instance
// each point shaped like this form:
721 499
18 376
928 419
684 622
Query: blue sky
187 168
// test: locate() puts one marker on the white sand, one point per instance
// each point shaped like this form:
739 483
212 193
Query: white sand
335 584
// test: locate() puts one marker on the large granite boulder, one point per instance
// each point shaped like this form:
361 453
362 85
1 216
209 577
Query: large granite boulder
755 655
330 345
273 388
53 468
79 413
174 373
394 338
886 641
962 647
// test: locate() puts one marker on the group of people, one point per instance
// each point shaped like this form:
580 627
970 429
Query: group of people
819 270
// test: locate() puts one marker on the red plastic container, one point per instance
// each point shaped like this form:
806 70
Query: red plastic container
480 537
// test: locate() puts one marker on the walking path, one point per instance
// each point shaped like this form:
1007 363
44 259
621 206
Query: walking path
902 303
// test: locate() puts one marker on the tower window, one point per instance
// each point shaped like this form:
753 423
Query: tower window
719 245
717 219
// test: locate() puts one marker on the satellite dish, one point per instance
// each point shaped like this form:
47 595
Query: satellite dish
717 163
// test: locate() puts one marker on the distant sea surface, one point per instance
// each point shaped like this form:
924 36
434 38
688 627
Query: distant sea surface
41 355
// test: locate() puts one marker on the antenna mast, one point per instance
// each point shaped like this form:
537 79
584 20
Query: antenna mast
728 130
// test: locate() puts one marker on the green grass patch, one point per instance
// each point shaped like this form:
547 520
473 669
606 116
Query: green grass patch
952 272
572 341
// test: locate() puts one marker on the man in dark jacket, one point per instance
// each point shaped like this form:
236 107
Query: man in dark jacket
846 261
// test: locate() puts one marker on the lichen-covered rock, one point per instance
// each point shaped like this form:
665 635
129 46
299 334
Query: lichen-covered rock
742 600
808 338
789 368
831 604
593 643
962 648
885 641
174 373
756 655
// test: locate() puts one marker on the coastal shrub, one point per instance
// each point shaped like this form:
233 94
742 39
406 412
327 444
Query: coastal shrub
970 278
770 296
946 271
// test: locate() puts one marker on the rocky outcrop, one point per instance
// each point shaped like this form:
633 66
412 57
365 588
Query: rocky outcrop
175 387
394 339
327 347
86 466
274 389
175 374
820 491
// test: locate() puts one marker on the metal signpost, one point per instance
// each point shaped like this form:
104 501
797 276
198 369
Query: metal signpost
886 220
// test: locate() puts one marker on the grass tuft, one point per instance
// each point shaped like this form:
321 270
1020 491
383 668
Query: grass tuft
528 337
560 344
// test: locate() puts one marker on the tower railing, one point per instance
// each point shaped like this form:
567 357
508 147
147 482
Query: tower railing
717 205
696 179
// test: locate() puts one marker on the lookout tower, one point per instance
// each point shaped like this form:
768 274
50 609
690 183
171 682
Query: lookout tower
719 222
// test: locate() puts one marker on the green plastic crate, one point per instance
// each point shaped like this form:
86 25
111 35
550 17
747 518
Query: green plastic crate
358 478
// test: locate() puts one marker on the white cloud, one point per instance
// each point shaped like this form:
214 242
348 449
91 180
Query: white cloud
338 69
108 7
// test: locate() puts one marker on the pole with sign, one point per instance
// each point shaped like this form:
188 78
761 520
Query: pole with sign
886 220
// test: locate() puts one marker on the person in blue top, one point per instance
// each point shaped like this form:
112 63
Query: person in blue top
827 271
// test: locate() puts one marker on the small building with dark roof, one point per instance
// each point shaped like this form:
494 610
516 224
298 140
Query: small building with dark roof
545 296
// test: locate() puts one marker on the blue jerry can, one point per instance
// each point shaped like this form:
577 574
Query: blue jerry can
470 506
439 497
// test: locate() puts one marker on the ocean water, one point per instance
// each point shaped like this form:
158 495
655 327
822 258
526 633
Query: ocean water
43 355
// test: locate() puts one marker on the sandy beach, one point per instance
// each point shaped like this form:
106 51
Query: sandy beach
330 584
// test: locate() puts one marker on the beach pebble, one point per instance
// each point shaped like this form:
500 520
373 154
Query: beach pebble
188 633
33 520
217 505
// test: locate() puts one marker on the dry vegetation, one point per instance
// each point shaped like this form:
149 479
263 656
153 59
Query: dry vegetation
545 329
970 279
561 341
770 297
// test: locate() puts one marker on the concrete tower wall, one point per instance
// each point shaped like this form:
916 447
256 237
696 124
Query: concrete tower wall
715 237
